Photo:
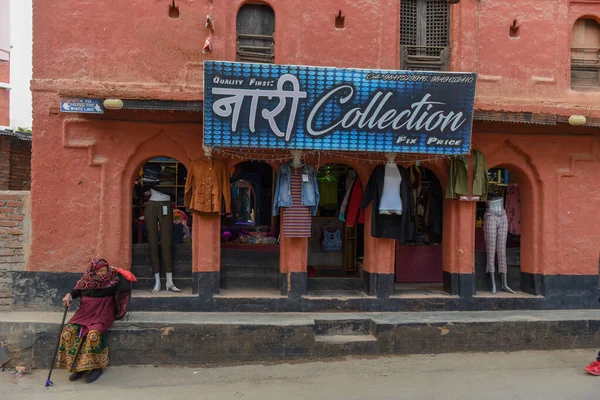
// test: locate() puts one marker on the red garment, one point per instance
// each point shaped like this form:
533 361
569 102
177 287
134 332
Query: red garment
126 274
354 209
95 313
91 281
296 220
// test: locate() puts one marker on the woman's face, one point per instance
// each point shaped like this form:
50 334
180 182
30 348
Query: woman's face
101 271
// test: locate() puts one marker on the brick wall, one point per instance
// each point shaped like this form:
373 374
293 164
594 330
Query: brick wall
15 233
20 165
15 164
4 162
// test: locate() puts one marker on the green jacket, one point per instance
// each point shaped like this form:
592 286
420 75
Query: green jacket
458 178
480 180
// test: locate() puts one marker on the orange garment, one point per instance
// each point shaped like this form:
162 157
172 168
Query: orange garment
207 183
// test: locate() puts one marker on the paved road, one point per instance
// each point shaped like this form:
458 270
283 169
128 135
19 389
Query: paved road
525 375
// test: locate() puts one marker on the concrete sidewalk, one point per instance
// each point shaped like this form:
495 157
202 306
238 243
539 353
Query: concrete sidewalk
531 375
178 338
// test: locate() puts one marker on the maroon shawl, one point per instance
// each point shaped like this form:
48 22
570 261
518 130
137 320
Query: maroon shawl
99 313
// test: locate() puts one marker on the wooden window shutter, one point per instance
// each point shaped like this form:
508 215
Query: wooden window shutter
255 29
585 54
425 35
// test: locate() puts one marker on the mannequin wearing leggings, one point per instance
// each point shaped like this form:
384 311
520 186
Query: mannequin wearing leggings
158 217
495 229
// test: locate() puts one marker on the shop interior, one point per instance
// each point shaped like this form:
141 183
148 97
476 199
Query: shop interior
336 245
502 184
250 222
418 266
167 177
250 234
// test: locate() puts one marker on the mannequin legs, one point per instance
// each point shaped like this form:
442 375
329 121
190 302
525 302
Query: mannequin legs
505 284
493 279
158 217
495 229
156 283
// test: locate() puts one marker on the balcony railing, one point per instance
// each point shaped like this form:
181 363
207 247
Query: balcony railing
585 67
425 58
255 48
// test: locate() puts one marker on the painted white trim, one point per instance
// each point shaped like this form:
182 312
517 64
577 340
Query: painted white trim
5 86
5 128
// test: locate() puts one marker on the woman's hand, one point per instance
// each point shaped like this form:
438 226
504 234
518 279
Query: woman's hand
67 300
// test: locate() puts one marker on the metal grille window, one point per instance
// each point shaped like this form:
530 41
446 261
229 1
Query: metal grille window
255 28
585 54
425 35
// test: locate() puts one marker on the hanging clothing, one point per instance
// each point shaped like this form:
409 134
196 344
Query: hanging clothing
332 241
480 179
390 202
395 226
296 219
513 209
354 210
206 186
328 191
309 196
458 178
435 209
350 178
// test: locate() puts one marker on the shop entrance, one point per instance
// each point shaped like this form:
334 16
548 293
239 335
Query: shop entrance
250 235
418 265
161 229
336 245
502 185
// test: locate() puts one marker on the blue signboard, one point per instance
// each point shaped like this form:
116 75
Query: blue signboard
318 108
87 106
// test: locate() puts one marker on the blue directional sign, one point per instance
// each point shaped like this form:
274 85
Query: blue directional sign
86 106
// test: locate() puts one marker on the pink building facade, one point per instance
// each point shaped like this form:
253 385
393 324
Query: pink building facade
535 69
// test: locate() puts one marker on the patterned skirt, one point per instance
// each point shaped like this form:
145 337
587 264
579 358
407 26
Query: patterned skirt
78 354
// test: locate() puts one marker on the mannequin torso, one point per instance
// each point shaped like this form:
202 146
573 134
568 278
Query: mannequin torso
391 203
495 204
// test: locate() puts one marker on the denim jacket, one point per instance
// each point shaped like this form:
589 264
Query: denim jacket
283 193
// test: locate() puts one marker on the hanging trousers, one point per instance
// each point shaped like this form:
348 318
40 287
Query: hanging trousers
495 230
154 217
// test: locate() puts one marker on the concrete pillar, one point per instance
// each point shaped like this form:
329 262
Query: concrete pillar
206 253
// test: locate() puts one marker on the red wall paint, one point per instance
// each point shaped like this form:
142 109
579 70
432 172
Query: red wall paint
133 49
4 94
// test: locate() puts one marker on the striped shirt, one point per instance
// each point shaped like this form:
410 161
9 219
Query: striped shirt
296 219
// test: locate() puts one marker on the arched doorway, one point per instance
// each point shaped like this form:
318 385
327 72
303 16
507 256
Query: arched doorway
336 244
418 265
503 187
161 228
250 235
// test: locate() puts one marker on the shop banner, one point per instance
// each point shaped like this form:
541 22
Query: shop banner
317 108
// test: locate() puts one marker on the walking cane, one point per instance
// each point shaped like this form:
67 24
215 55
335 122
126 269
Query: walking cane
62 325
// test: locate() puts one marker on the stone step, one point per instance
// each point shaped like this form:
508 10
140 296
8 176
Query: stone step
148 283
249 258
341 283
345 345
179 271
249 281
343 327
244 269
184 338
